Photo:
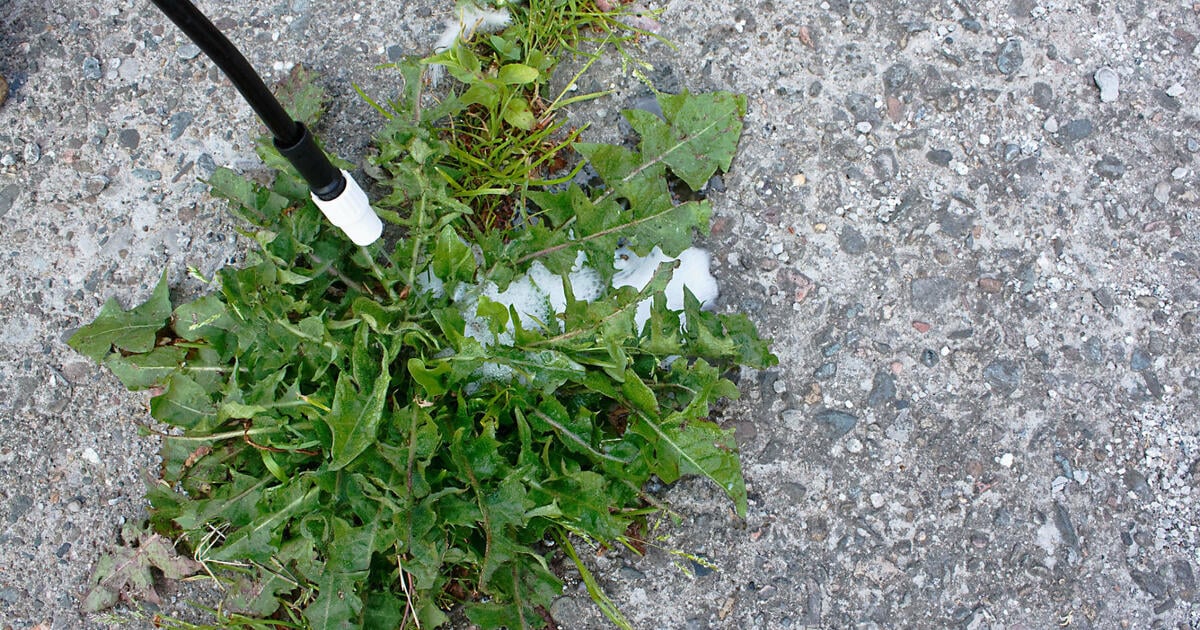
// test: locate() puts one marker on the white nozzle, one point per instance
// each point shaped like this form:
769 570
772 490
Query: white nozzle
351 212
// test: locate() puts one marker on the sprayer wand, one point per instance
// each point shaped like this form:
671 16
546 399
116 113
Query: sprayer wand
334 191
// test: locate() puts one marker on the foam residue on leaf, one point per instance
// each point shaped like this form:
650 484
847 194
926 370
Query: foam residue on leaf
692 272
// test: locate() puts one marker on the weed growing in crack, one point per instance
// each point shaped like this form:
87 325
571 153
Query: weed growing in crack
367 437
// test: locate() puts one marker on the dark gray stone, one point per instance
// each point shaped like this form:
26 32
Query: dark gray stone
883 389
1009 57
1135 481
929 294
129 139
929 357
852 241
1149 582
941 157
826 371
1066 529
8 196
1139 360
147 174
1004 375
1109 167
897 78
837 423
1076 130
18 506
1185 580
1043 95
179 122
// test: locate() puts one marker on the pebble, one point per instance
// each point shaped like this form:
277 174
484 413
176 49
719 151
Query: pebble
1109 83
91 456
826 371
1006 460
1139 360
147 174
32 153
1179 173
1051 125
1009 59
854 445
179 122
839 423
188 51
91 69
863 127
941 157
1004 375
929 357
1192 144
1077 129
1110 167
883 389
877 500
930 293
852 241
1175 91
1162 192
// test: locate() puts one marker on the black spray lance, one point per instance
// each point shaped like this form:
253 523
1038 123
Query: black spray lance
334 191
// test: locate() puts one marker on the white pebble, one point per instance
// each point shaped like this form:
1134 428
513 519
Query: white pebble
1051 125
876 500
1109 83
854 445
1179 173
1175 91
91 456
863 127
1006 460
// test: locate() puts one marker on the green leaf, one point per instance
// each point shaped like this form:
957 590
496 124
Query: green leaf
452 257
640 396
133 331
696 448
517 74
143 371
184 404
338 606
699 136
354 418
518 114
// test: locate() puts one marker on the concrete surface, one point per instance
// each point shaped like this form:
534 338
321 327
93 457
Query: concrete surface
980 275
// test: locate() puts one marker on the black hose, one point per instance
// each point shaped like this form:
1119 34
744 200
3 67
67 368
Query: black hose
291 137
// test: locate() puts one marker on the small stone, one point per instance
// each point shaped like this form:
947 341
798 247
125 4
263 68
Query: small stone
854 445
971 24
179 122
1051 125
32 153
1077 129
1136 483
147 174
863 127
1110 167
929 357
395 53
129 139
1031 342
95 184
1192 144
1006 460
1009 58
188 51
852 241
1149 582
91 456
883 389
1109 82
921 327
8 197
990 285
91 69
1004 375
1162 192
940 157
1139 360
780 387
3 90
839 423
826 371
799 180
1179 173
1176 90
877 500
